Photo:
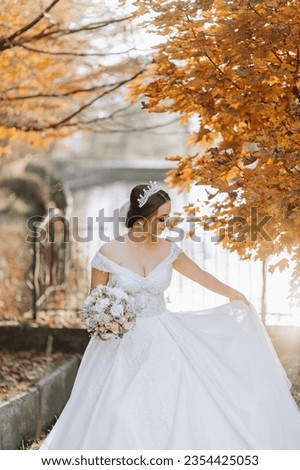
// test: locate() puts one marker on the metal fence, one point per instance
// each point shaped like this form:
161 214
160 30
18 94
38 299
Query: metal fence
51 253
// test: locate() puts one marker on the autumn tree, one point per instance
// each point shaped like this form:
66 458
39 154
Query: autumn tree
61 64
233 67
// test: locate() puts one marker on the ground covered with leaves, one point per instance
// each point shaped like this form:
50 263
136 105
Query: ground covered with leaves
20 371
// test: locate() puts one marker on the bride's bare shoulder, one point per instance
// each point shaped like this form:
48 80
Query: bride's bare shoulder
167 242
112 248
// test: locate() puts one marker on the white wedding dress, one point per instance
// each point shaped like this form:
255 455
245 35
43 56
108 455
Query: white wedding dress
192 380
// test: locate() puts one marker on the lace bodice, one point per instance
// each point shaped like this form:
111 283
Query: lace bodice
148 290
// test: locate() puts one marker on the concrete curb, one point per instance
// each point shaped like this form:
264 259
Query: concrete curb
29 414
26 338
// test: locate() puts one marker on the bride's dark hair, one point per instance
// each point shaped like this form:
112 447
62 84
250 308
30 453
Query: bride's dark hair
153 203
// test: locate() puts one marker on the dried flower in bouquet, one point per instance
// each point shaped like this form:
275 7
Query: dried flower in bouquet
108 312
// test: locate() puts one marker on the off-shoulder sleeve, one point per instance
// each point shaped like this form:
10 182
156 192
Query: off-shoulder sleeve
102 263
175 251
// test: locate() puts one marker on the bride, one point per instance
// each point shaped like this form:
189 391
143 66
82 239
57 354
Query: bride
206 379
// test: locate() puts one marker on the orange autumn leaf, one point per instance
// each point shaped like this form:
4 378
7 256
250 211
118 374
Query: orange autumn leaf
234 68
56 65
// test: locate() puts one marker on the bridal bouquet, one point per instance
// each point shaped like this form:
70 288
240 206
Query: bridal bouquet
108 312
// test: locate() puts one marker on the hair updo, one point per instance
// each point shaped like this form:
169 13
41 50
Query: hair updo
153 203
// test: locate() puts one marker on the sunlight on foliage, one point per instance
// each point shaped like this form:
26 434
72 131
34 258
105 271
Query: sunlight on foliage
58 59
234 67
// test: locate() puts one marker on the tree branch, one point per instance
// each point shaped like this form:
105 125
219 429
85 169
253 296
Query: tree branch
87 105
253 9
63 122
211 60
221 71
75 54
9 42
6 42
110 116
89 27
59 95
129 128
276 55
298 61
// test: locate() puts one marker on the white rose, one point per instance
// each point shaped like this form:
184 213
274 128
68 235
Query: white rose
104 303
120 294
97 308
117 310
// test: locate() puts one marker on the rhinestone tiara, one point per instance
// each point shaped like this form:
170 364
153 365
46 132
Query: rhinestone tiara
151 189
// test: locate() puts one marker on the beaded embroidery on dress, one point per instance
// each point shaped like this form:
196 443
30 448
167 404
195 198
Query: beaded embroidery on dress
190 380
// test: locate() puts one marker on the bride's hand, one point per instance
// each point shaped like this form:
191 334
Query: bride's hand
236 295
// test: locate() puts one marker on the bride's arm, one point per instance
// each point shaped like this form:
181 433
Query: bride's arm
186 266
98 277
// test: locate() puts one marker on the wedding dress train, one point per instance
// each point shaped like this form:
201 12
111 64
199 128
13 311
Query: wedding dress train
192 380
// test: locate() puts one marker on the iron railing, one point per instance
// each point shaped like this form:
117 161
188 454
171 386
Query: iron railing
51 253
